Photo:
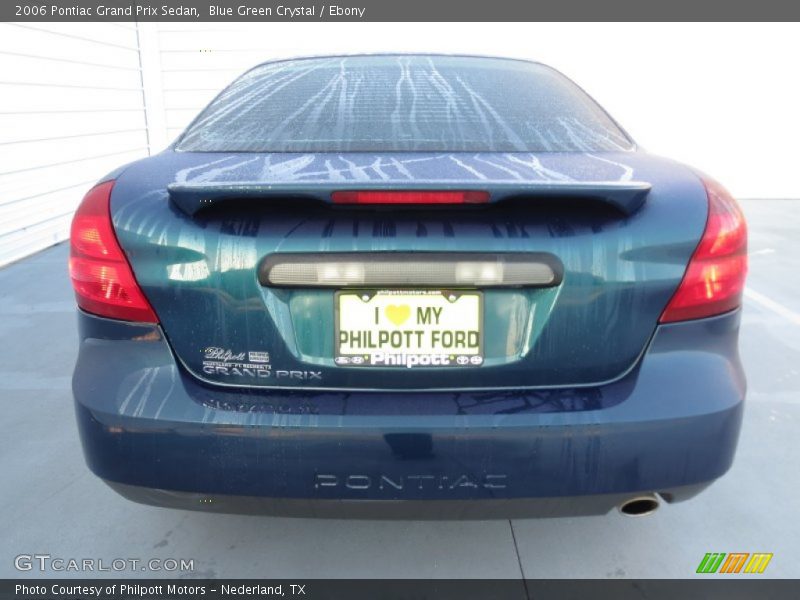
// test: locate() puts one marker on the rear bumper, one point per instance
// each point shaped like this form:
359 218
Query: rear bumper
151 431
494 508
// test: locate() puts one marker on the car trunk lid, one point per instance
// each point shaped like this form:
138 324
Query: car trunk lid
617 228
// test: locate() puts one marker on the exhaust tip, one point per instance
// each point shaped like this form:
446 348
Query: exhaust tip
640 506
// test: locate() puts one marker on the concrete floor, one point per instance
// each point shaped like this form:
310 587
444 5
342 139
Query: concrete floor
53 505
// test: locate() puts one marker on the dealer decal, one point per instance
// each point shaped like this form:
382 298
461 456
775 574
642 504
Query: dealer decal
225 362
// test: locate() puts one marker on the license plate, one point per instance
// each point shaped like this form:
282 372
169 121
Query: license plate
409 328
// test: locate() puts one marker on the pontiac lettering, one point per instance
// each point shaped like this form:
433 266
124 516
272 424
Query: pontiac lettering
382 481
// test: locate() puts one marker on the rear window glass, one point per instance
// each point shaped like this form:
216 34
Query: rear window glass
403 103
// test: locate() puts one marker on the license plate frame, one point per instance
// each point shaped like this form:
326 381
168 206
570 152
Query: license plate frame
464 357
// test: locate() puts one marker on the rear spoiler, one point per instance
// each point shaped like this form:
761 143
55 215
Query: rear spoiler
626 196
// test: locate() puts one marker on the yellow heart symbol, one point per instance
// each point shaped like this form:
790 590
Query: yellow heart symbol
398 314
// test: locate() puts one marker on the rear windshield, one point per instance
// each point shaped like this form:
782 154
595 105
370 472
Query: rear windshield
403 103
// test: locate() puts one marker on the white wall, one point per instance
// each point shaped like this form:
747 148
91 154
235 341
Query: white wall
70 110
74 102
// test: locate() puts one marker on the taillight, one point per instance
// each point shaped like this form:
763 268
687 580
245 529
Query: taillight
714 280
103 281
410 197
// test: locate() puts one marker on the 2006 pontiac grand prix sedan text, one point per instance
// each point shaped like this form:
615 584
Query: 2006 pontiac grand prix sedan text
408 285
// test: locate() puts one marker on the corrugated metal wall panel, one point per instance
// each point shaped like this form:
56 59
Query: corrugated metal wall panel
71 109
